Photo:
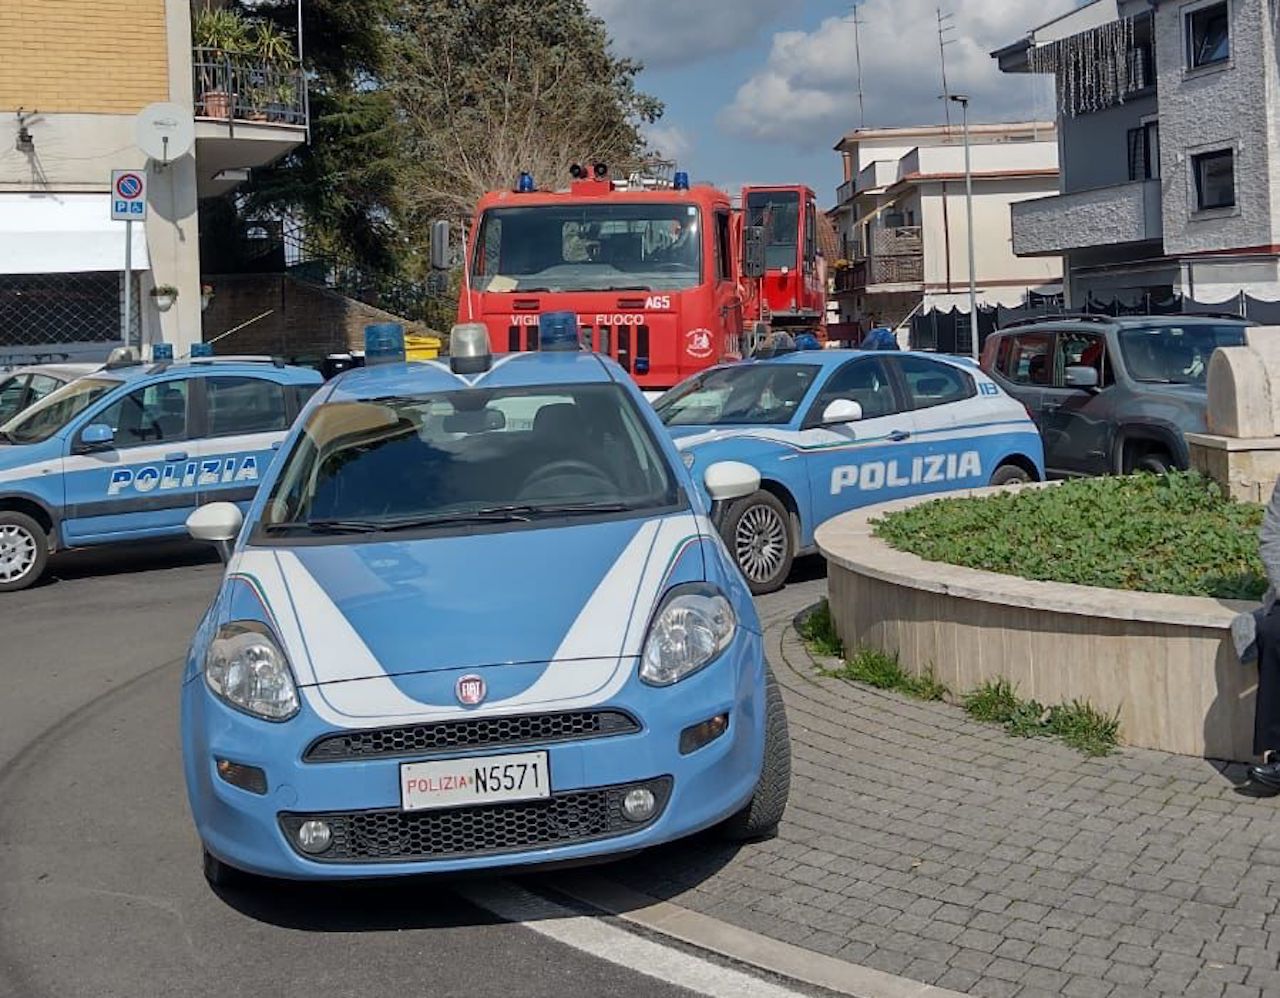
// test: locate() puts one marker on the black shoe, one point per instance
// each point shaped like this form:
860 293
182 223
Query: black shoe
1267 774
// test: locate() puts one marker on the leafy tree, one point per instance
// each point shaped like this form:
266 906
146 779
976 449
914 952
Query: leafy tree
488 88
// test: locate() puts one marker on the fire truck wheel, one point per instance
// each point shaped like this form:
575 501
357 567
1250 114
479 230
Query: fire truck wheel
757 531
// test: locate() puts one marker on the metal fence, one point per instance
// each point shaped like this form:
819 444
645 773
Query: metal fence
233 87
47 317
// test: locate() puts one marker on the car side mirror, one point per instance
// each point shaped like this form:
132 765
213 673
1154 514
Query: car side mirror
216 523
841 411
727 480
1082 377
97 436
753 258
440 245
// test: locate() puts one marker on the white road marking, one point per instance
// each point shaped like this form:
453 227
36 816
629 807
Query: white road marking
600 939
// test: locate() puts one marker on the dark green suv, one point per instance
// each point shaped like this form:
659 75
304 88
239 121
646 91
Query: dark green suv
1111 395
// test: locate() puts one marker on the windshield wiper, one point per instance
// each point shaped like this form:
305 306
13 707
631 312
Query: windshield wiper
514 513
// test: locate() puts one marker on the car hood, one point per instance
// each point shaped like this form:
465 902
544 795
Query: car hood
371 610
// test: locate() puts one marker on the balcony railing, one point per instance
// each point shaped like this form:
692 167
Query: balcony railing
846 191
869 274
903 240
232 87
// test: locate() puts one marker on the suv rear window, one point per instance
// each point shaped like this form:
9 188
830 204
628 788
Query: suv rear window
1173 354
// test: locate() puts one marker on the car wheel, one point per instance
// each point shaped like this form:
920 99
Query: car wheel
760 818
24 551
757 531
1154 462
220 874
1011 474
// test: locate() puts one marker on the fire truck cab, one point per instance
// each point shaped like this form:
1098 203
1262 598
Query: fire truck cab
651 273
791 295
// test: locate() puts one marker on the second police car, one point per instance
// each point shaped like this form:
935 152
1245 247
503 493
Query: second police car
477 616
128 452
833 430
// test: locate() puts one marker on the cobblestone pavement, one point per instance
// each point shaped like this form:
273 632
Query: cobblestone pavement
927 845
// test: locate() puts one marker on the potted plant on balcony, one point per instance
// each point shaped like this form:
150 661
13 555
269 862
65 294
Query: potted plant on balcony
275 49
164 295
217 34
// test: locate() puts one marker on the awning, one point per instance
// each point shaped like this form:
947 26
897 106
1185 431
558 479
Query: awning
63 234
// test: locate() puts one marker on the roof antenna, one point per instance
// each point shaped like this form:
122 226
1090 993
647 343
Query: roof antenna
945 26
857 48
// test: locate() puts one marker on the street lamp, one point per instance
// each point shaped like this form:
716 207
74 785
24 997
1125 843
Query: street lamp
963 101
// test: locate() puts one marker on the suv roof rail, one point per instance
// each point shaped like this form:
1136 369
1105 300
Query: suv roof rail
1060 317
1207 314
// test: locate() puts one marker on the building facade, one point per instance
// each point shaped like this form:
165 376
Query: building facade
902 222
73 77
1167 116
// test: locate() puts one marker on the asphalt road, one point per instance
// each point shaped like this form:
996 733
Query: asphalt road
101 893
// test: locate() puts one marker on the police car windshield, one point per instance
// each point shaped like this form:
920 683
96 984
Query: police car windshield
478 455
1175 355
591 247
734 396
56 410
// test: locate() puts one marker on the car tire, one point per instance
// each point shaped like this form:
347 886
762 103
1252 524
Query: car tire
1154 462
757 531
24 551
1011 474
221 875
762 815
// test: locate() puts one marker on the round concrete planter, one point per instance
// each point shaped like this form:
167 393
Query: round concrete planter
1165 662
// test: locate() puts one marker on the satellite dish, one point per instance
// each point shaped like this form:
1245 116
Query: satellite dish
165 131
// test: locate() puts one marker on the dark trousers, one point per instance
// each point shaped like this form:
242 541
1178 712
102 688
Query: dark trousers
1266 721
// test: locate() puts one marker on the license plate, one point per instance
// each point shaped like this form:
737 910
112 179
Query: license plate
483 780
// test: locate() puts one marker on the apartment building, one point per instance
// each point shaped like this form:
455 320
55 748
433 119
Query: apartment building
1168 131
73 77
903 226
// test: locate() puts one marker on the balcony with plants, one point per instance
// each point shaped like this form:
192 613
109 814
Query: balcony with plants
246 69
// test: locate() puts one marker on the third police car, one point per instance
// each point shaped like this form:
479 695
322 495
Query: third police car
833 430
128 452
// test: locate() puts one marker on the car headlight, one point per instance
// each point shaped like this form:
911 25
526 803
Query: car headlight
694 625
245 667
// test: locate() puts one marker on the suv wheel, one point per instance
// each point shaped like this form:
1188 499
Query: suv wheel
757 532
1155 462
24 551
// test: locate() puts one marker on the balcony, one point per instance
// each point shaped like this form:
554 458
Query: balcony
249 112
1105 216
882 274
846 191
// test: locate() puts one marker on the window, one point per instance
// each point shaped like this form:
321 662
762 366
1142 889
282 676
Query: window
52 413
728 396
930 383
1028 362
1208 35
863 381
779 213
1077 349
1175 355
1215 176
1144 152
724 270
810 232
245 405
12 392
42 385
154 414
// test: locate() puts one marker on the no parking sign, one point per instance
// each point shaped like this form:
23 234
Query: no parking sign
128 195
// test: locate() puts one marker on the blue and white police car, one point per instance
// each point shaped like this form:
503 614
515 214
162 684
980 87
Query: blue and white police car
833 430
128 452
477 616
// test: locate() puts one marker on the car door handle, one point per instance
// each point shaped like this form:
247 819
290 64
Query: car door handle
899 435
177 455
1052 406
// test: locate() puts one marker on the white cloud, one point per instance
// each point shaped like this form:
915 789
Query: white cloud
676 32
669 141
806 93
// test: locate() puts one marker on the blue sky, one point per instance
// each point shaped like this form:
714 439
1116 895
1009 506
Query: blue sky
758 91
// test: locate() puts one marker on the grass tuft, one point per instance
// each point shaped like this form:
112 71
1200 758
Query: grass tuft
819 631
1077 724
884 672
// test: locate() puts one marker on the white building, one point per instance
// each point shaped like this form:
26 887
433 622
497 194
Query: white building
73 77
902 222
1168 129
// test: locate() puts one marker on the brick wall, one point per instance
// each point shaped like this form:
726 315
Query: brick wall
306 322
88 56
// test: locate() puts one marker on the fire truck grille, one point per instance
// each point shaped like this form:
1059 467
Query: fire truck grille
389 836
479 732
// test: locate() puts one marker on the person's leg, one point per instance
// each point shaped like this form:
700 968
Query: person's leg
1266 724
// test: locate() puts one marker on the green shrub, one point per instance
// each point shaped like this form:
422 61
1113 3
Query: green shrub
1176 533
884 672
819 631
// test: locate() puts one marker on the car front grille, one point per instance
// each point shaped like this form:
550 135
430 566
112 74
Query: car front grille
467 733
396 836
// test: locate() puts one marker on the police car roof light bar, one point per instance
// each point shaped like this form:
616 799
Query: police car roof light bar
558 332
469 348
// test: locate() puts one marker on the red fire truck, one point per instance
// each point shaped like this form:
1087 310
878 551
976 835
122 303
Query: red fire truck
792 294
651 271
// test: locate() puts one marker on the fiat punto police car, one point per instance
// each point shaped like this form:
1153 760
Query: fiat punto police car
128 452
476 616
833 430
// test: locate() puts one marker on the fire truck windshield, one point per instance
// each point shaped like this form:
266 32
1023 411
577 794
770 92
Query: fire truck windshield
589 247
779 213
